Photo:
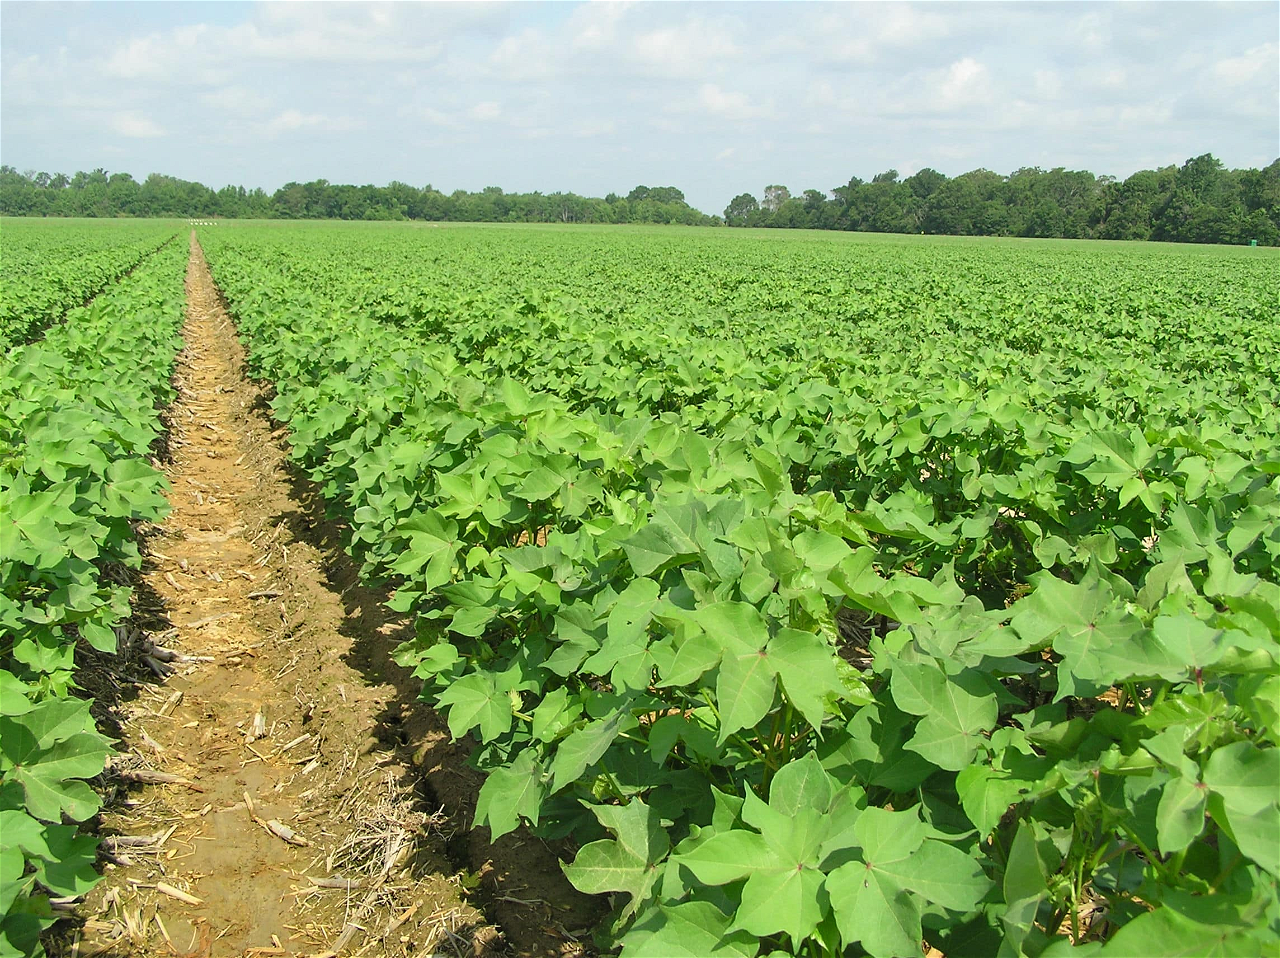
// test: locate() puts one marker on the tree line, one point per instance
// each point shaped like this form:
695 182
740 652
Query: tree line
1198 202
99 193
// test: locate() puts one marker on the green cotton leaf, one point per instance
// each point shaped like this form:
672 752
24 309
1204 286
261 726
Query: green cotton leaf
540 484
509 793
735 626
883 918
31 533
133 490
943 874
69 868
13 695
1165 933
821 551
628 862
781 898
49 777
697 655
1191 643
696 929
1246 776
1026 876
745 691
101 637
1247 780
581 749
986 794
431 661
22 831
802 784
808 668
1180 815
55 720
471 622
12 880
728 856
424 549
956 710
515 397
868 898
1080 621
656 544
780 865
1258 837
476 700
555 713
624 652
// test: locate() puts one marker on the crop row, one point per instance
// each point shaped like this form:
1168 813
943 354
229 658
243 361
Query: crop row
982 655
51 268
78 415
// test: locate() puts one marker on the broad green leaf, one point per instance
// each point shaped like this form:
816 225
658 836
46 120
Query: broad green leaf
581 749
1180 816
745 690
475 700
695 929
628 862
956 710
728 856
873 912
806 664
654 545
802 784
1246 776
554 714
509 793
1164 933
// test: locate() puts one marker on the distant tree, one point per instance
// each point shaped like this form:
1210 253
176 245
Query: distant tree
741 209
774 196
925 183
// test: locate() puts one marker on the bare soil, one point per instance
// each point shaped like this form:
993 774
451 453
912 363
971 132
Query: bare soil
280 791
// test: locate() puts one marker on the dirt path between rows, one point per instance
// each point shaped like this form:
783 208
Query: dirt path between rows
278 791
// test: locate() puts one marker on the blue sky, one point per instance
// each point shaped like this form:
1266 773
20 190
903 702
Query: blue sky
715 98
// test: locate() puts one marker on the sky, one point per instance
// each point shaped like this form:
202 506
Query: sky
714 98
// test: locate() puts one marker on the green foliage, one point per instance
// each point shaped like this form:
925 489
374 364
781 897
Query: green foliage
78 415
633 547
51 268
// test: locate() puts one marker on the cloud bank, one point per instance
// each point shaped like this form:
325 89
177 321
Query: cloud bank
715 98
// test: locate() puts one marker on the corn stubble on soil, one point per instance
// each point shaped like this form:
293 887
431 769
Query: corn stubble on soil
276 793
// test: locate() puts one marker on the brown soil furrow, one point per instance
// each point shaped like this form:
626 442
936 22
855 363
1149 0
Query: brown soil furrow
281 782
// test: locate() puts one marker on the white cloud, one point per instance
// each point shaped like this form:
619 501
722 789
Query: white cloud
296 121
1048 84
594 26
527 55
135 126
715 101
1256 64
686 49
860 34
966 82
595 128
647 92
183 56
236 100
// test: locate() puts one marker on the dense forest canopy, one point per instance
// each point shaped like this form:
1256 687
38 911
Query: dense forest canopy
1198 202
100 193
